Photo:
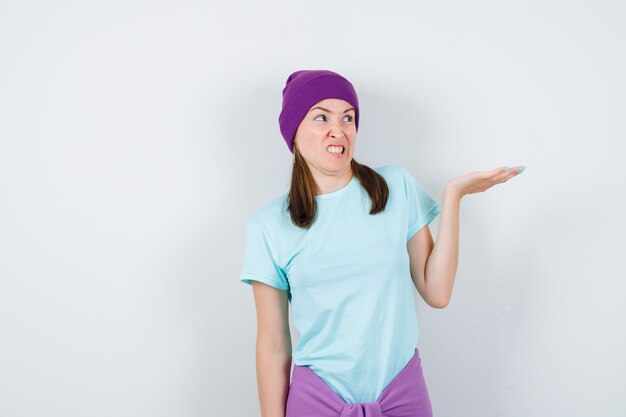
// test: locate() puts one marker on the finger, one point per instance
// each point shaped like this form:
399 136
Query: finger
508 174
493 174
497 174
502 174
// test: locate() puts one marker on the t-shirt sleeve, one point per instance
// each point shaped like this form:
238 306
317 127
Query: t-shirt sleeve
422 207
260 260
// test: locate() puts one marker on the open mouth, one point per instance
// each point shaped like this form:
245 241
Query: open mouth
336 149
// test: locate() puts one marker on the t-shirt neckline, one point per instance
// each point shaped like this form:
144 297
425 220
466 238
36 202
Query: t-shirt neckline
338 192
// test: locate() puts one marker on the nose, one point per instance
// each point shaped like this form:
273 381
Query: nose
335 130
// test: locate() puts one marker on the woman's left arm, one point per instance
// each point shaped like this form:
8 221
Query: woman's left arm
441 265
434 282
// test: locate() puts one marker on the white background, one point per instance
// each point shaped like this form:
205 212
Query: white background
137 137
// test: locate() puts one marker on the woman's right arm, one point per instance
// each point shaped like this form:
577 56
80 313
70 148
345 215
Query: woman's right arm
273 348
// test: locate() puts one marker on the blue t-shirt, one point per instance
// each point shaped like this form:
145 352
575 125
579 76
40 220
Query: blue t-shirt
348 280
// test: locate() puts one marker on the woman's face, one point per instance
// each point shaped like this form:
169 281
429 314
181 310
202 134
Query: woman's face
328 122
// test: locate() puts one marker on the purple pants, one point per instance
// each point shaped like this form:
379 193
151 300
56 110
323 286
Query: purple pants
405 396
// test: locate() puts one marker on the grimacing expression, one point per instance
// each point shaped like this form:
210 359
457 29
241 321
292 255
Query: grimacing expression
328 122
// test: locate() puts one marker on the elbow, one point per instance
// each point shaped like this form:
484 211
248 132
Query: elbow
439 303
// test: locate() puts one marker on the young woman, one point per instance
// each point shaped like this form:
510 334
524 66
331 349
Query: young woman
345 246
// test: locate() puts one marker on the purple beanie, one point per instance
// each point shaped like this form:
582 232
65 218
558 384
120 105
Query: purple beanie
303 89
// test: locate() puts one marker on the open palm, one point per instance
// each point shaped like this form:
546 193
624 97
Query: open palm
479 181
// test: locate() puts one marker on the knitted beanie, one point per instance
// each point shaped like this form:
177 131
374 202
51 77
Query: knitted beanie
305 88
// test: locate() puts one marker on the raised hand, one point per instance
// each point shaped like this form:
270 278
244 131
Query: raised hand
479 181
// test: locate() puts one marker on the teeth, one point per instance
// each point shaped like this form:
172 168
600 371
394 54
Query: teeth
335 149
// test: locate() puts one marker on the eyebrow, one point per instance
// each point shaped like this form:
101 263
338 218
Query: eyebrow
321 108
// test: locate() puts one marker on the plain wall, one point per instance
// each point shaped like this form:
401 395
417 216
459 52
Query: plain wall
136 138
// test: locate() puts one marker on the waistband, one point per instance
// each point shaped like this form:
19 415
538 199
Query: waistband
406 395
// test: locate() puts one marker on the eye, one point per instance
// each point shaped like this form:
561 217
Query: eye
320 115
349 118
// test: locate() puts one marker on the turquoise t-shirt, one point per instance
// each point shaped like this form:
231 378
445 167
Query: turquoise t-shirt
348 280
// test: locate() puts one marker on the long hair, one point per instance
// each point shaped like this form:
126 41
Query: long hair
302 204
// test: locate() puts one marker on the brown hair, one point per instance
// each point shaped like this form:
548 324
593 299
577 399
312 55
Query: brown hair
301 197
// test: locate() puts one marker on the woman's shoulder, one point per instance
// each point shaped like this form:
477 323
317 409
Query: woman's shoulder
391 172
271 214
397 177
